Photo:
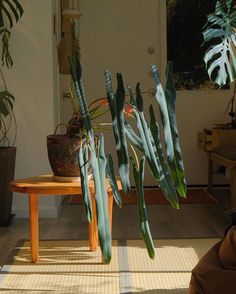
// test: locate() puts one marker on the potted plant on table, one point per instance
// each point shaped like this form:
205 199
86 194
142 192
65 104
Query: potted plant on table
63 149
10 12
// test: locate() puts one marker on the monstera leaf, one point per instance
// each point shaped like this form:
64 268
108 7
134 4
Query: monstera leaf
12 9
6 103
220 32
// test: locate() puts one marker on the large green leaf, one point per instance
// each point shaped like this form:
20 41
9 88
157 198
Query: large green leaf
3 108
133 137
83 165
75 70
166 181
152 150
122 150
176 165
102 206
143 131
220 33
116 105
112 180
167 110
6 102
6 56
11 8
138 173
147 145
98 164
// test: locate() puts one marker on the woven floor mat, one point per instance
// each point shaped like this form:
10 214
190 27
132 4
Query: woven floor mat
170 271
69 267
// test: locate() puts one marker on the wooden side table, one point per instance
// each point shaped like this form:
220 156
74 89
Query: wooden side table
225 156
45 186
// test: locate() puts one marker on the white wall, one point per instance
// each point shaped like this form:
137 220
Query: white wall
197 110
33 81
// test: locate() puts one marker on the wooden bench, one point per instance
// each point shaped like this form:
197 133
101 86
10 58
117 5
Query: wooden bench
45 186
225 156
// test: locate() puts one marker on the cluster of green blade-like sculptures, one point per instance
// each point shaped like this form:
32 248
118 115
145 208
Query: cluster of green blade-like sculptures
165 161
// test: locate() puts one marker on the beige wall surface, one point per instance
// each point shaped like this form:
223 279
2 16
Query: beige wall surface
197 110
33 82
116 35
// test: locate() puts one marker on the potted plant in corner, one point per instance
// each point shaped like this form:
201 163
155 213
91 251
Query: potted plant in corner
10 12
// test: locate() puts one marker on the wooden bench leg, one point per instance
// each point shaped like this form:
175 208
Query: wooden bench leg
93 230
110 208
233 188
210 174
34 226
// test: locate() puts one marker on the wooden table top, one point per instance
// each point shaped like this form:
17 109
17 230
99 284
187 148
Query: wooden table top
45 185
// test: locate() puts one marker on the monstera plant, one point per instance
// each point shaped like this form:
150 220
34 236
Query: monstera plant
165 161
220 37
220 30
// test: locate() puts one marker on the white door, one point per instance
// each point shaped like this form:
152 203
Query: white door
123 36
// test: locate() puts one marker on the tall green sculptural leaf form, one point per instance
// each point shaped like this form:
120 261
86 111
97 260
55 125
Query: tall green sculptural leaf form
138 172
166 101
83 165
116 105
165 161
153 151
98 165
112 179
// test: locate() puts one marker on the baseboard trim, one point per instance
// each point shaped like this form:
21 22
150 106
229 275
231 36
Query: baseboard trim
44 211
188 186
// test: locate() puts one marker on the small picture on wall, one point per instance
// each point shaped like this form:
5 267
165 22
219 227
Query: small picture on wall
185 21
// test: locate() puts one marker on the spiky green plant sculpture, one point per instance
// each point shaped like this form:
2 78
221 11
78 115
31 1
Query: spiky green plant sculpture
167 166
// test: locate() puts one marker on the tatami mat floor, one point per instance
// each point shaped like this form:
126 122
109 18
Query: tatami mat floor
68 267
191 221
